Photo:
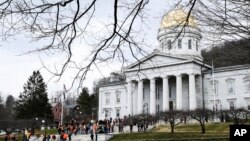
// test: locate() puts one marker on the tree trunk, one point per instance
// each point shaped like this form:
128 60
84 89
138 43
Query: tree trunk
172 128
203 130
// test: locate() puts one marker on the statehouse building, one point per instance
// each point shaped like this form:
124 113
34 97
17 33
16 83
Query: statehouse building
174 77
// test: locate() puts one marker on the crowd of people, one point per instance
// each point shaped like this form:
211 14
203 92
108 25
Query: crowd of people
92 128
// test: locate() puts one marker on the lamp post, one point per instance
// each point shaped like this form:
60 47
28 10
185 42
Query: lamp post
33 125
80 115
45 127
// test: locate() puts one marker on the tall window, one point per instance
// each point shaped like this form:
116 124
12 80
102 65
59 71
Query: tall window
230 86
118 113
179 43
107 96
189 44
118 96
231 104
247 83
169 44
107 113
214 87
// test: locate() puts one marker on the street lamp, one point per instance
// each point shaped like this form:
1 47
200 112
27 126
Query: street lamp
33 125
80 115
45 127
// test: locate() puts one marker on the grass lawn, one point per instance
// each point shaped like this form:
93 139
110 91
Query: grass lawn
185 132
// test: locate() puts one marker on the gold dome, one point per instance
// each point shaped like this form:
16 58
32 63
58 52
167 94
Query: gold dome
176 18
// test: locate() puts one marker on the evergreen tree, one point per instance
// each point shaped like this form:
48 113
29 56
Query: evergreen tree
228 54
95 97
33 101
85 102
9 104
2 109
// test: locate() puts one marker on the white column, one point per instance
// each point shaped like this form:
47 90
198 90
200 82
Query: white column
165 95
200 93
192 93
178 92
140 96
130 99
152 97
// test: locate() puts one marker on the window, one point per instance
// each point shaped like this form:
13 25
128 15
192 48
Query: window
118 96
216 105
169 44
247 83
189 44
118 113
106 113
230 86
214 87
179 43
107 100
231 104
197 46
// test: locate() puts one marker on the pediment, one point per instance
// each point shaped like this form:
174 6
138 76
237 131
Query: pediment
156 60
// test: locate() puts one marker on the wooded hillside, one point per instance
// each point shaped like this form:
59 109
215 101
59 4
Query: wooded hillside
228 54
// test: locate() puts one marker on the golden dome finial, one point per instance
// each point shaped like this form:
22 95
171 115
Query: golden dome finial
177 17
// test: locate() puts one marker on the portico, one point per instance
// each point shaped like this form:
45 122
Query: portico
162 93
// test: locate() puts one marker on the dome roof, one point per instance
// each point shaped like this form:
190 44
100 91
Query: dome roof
176 18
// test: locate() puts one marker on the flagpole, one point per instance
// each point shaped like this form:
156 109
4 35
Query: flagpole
63 98
213 87
62 111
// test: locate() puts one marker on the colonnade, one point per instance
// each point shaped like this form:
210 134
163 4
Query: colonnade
165 96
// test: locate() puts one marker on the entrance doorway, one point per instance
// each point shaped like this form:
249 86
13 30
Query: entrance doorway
171 105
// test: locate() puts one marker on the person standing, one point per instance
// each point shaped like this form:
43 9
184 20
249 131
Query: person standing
63 136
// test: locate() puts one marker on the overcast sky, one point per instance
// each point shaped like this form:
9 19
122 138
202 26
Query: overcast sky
15 68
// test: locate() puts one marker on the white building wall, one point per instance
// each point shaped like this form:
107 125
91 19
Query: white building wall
113 105
240 95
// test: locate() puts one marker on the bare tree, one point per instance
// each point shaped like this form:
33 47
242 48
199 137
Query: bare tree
60 23
174 118
237 115
202 116
223 20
